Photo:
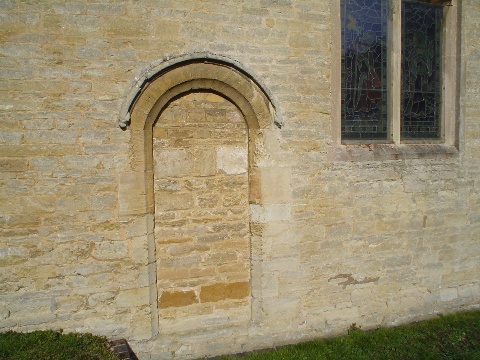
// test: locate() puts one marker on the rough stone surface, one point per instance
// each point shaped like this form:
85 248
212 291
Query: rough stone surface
235 222
201 197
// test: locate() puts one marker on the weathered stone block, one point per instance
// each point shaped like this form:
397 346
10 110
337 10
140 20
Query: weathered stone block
196 116
223 291
270 213
173 162
109 250
12 137
232 160
204 162
448 294
132 298
131 193
177 299
45 163
14 165
121 27
173 201
167 30
50 137
271 185
95 299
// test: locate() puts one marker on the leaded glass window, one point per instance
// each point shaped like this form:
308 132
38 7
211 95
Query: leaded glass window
391 61
421 70
364 69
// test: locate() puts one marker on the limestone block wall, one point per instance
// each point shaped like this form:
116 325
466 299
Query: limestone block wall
222 215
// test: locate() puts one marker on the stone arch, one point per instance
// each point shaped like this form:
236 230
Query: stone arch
157 68
151 100
182 78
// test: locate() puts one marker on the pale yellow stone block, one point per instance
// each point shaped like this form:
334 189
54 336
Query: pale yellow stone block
132 298
141 327
131 193
122 27
173 201
232 160
271 184
173 162
166 30
270 213
204 162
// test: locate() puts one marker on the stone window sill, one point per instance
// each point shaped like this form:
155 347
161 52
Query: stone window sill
383 152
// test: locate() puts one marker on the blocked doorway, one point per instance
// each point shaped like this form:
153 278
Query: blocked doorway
201 184
201 132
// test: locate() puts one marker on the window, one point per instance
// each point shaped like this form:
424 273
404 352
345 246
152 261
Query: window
398 72
364 69
421 70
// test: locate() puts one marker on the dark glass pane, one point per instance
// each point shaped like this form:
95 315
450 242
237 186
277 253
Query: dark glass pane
421 70
364 69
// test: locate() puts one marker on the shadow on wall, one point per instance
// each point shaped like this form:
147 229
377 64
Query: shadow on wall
123 350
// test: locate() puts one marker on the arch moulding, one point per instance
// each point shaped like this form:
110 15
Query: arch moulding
136 186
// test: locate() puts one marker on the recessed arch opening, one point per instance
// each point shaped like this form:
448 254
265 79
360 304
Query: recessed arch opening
157 94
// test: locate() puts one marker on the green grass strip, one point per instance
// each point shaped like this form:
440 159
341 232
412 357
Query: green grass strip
54 345
454 336
446 337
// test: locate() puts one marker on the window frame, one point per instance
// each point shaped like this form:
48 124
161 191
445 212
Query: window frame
450 75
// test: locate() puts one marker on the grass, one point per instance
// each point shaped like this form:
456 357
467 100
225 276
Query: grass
446 337
54 345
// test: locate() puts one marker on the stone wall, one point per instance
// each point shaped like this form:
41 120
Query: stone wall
152 231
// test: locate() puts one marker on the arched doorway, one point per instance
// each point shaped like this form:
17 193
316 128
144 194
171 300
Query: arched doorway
197 140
